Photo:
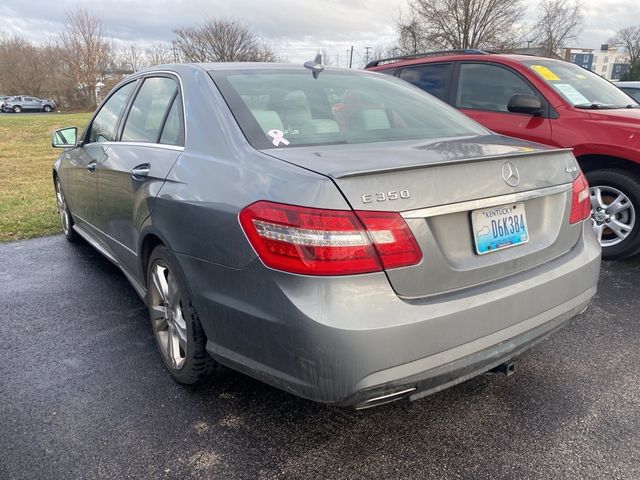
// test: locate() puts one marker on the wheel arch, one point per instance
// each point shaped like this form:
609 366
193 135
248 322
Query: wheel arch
591 162
148 241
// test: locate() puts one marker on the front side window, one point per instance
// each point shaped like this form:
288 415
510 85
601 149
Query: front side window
488 87
433 78
580 87
148 111
278 107
103 127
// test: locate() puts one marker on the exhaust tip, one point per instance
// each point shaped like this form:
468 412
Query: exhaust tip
507 368
384 399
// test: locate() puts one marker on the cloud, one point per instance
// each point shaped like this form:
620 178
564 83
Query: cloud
296 29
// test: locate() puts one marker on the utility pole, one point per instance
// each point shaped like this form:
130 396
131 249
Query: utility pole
337 59
351 56
366 54
175 53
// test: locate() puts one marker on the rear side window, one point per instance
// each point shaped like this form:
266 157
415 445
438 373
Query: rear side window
103 128
433 78
173 131
633 93
149 109
488 87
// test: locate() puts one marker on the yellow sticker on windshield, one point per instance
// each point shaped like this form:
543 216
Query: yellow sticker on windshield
544 72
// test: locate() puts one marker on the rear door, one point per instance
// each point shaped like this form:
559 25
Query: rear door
483 91
135 167
434 78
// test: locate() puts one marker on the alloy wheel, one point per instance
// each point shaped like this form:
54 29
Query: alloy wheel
165 307
613 215
63 211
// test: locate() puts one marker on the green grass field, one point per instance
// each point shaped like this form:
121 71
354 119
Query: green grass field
27 199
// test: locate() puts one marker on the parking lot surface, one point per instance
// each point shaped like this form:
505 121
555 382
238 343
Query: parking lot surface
83 394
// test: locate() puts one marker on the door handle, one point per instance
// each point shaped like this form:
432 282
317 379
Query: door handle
141 171
92 166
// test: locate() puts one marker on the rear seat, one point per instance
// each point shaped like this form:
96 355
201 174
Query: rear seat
268 120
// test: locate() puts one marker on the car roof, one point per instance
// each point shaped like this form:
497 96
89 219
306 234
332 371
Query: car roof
221 66
457 56
627 84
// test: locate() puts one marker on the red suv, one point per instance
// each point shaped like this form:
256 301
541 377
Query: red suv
552 102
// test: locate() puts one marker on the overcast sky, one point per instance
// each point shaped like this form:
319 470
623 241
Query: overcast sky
296 28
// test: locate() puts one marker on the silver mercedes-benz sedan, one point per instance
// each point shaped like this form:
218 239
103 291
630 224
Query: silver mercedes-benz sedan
341 235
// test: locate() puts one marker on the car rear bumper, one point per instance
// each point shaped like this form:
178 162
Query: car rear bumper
429 375
347 340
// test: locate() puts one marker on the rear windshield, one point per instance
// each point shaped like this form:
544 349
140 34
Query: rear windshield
580 87
288 108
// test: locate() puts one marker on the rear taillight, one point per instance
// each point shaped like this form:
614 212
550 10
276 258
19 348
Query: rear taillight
316 241
580 203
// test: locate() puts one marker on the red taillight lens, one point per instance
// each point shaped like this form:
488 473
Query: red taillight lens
316 241
392 239
580 203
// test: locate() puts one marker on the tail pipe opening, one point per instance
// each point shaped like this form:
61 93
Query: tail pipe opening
506 368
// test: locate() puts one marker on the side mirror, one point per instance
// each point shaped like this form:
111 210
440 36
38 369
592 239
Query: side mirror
65 138
525 103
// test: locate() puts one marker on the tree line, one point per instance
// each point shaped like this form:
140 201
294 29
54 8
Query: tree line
70 66
498 25
82 61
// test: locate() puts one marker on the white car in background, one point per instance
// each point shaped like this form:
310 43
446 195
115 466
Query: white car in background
630 88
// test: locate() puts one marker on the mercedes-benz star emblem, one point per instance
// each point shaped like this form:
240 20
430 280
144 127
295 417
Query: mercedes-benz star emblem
510 174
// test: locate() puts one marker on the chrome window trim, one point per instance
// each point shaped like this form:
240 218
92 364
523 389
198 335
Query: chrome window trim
177 148
147 74
485 202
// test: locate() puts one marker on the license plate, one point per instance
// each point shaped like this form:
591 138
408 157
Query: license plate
499 227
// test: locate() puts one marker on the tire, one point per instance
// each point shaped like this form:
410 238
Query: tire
17 109
618 231
66 220
47 108
179 335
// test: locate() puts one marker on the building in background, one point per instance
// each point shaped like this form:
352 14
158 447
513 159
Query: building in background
609 62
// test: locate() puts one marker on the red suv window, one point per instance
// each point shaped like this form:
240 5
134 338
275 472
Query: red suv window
434 78
488 87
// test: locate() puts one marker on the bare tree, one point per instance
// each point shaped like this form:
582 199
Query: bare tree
134 57
629 39
25 67
462 24
86 52
222 40
559 23
159 53
412 35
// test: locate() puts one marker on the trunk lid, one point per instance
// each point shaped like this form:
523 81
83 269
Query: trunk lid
438 184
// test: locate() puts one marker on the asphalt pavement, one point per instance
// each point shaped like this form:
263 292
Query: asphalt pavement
84 394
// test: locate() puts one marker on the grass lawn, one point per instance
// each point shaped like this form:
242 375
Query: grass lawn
27 199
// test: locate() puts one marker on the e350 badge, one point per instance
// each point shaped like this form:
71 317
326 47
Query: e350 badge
384 196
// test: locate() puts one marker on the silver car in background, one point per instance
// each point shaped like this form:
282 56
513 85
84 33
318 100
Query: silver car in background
23 103
341 235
